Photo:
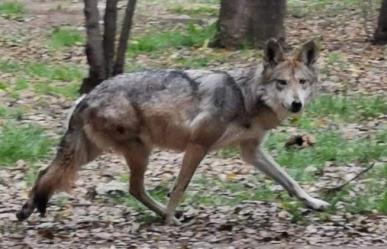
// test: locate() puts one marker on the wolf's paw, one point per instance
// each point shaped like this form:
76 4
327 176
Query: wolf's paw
317 204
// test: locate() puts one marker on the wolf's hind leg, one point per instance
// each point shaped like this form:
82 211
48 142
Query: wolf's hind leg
137 156
74 150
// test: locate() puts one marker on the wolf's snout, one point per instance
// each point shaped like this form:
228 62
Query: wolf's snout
296 106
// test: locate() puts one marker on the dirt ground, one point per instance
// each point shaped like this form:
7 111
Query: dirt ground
91 218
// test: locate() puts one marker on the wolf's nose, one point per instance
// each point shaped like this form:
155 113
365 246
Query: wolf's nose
296 106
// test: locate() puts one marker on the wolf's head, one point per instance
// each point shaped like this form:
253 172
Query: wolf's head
288 83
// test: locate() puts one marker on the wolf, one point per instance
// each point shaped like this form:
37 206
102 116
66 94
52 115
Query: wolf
190 111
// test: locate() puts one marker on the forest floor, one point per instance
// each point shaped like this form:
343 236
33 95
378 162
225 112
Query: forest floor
228 204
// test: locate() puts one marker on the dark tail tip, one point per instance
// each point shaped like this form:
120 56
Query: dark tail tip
25 211
40 201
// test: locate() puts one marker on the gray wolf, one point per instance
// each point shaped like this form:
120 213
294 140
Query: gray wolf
189 111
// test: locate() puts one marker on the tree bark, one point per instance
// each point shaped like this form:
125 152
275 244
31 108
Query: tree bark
109 35
380 35
123 42
250 23
94 48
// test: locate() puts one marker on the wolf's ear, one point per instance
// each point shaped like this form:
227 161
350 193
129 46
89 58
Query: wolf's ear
308 54
273 53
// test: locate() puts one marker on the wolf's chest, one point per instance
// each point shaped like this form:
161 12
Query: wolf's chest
235 133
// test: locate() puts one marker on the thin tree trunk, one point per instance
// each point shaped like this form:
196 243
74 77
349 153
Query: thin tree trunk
380 35
250 22
94 48
123 42
109 35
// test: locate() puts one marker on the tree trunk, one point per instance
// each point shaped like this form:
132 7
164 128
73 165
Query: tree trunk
94 48
250 23
123 42
109 35
380 36
100 51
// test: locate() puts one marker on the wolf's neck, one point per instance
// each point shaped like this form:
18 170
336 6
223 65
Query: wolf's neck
265 115
246 79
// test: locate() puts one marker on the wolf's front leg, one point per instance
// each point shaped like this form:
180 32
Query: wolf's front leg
252 154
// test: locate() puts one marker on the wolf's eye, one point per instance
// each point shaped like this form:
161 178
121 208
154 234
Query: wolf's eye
302 81
282 82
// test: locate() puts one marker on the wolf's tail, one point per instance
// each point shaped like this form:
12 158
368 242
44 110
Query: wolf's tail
75 149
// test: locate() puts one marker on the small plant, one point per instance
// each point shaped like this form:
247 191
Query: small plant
62 37
12 10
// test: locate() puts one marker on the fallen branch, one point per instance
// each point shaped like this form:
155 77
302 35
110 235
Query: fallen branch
340 187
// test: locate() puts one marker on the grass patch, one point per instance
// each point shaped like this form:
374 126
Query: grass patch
351 108
10 113
59 80
192 36
64 37
9 66
195 10
12 10
22 142
69 90
330 146
55 72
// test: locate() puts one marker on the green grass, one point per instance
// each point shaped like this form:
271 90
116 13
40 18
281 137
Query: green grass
330 146
372 200
64 37
60 80
12 10
22 142
68 90
54 72
192 36
349 109
10 113
58 72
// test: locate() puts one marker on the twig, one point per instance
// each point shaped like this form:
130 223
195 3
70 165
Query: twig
338 188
